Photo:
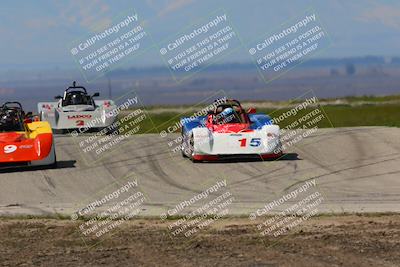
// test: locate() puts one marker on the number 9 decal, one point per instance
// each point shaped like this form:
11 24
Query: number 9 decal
9 149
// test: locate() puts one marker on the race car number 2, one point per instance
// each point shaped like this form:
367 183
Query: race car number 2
254 142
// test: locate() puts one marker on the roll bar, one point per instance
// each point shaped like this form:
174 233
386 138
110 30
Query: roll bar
74 87
7 105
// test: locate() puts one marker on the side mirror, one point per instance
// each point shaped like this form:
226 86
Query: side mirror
251 111
96 94
58 97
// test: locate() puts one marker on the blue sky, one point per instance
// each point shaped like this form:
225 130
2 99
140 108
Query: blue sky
36 34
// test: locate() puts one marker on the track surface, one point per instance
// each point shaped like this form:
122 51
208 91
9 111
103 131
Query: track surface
356 170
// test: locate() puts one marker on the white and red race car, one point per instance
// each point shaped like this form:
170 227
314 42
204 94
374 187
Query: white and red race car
230 132
76 109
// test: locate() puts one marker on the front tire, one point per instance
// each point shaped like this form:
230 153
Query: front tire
191 149
183 146
54 165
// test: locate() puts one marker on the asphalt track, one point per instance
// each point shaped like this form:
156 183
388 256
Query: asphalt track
355 169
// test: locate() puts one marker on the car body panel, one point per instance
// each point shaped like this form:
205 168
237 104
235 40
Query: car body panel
77 116
255 136
87 113
34 146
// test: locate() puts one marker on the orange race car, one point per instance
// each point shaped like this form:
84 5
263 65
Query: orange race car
24 140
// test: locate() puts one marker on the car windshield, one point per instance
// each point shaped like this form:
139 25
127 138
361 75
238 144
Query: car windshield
10 121
77 98
226 114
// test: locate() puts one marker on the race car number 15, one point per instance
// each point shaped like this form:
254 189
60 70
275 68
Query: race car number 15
254 142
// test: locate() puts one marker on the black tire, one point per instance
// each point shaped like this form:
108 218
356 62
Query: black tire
191 149
112 131
54 165
58 131
183 154
183 148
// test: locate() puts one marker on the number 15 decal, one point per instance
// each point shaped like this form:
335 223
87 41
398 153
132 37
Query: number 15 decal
255 142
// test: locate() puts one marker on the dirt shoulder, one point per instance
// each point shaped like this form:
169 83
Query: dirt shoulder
367 240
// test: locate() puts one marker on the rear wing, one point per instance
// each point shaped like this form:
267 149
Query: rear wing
46 106
49 106
106 103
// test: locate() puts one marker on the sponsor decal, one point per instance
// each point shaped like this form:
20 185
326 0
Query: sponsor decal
47 106
81 116
25 146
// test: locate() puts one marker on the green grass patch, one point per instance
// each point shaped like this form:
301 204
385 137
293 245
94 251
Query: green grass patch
346 116
371 98
339 115
366 115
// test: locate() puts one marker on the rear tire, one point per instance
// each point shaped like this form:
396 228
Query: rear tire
111 131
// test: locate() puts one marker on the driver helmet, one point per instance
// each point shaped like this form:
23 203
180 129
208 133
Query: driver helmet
8 118
227 112
76 99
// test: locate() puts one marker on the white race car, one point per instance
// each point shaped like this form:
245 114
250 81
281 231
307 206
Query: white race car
230 132
76 109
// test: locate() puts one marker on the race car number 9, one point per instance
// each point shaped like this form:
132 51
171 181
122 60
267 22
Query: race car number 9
254 142
10 149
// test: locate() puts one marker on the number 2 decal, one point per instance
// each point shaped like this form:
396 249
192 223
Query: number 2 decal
80 123
254 142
